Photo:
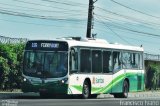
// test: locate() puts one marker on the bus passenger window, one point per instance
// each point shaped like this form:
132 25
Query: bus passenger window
96 61
116 61
85 58
74 60
134 60
126 58
107 61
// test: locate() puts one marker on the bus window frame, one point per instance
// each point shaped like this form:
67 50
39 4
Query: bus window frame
84 48
138 52
102 50
108 50
97 49
70 60
116 50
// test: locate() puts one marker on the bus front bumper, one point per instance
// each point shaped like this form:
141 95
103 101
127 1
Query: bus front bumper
50 87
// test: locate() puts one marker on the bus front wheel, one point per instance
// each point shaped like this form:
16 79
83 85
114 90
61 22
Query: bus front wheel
86 90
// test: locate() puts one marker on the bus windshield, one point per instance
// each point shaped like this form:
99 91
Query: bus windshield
45 64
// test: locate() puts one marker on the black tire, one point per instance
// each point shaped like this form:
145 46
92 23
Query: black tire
117 95
125 89
86 90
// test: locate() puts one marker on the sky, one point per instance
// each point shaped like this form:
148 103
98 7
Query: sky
128 22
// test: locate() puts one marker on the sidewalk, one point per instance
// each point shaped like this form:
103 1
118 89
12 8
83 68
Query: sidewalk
152 94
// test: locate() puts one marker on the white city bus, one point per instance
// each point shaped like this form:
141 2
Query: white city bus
86 67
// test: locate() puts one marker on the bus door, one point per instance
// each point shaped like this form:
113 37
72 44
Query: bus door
136 66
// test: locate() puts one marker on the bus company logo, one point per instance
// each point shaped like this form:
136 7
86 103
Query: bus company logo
97 80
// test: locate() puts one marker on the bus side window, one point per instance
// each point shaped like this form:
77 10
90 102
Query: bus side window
126 60
73 60
134 60
116 61
96 61
85 60
107 61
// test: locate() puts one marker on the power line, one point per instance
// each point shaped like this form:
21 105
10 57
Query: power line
116 33
64 3
135 39
64 10
67 14
151 43
43 5
71 2
105 25
135 9
132 30
36 16
128 17
110 19
140 32
129 23
38 24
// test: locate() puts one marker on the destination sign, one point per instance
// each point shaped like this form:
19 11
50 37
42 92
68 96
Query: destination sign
50 45
47 45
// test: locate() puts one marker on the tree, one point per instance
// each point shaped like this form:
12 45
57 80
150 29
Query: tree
156 75
10 65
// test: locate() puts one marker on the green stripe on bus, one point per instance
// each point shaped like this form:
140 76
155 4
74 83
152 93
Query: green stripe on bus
108 87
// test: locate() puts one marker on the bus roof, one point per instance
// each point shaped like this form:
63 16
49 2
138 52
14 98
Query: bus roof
95 43
98 43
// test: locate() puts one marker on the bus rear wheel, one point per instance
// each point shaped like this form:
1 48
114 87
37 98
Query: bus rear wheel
125 90
86 90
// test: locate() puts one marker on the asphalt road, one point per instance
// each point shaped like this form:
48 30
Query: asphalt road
20 99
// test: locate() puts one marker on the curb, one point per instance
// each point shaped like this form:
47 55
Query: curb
134 95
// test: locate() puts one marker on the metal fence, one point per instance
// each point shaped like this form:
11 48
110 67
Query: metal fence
8 40
151 57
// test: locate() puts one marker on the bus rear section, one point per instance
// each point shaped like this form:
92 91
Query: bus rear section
45 67
97 70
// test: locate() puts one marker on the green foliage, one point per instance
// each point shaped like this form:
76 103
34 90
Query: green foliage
10 65
156 75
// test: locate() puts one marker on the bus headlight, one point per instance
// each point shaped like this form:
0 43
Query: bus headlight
64 81
24 79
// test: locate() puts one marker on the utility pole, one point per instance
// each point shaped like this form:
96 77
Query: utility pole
90 19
